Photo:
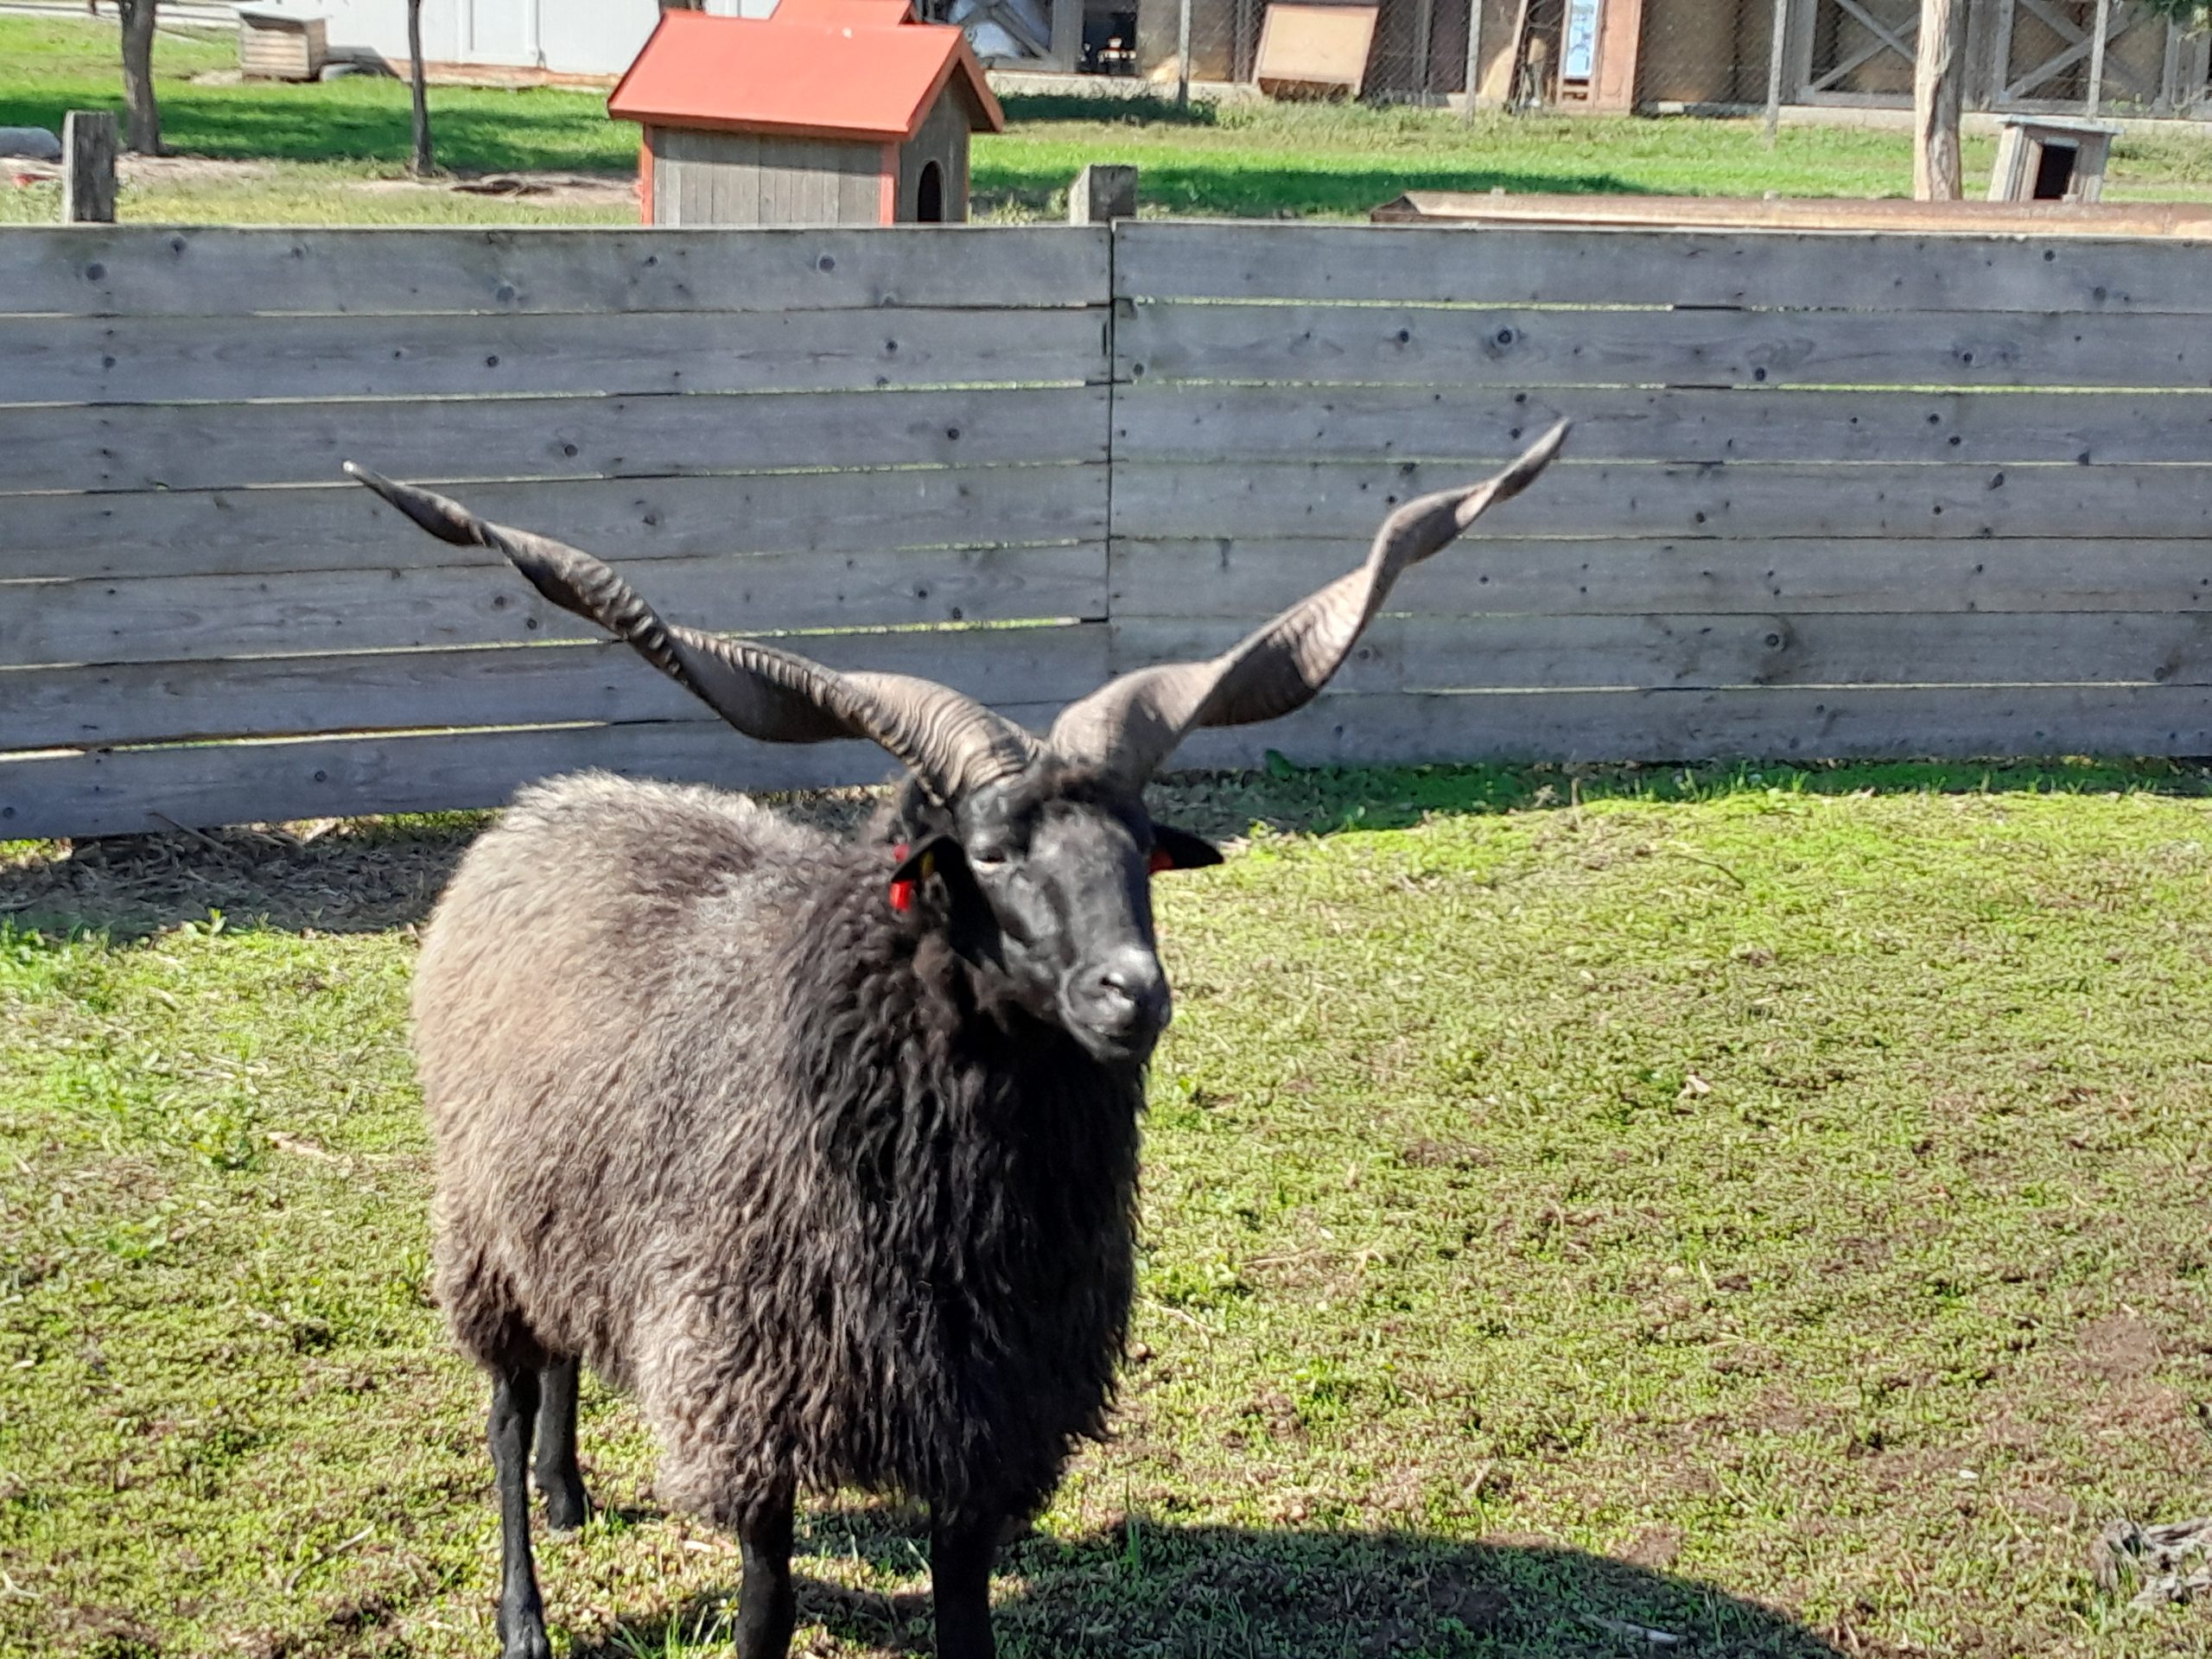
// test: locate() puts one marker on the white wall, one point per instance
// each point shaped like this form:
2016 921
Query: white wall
580 37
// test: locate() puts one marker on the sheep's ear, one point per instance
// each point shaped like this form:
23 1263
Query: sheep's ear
1179 850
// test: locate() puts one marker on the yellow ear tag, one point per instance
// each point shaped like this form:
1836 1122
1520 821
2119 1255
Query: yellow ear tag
929 865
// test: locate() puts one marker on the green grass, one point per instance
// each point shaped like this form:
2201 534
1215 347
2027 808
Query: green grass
1768 1207
320 144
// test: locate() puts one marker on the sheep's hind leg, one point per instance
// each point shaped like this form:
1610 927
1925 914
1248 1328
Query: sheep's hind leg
522 1614
559 1477
960 1552
766 1607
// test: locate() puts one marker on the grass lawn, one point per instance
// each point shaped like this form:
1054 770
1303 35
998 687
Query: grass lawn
1769 1210
320 145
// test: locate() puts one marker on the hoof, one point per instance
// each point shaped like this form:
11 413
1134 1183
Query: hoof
527 1642
567 1511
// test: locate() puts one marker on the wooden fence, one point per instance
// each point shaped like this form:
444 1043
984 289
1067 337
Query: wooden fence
1828 494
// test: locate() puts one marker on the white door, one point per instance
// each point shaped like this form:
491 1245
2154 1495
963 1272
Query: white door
500 32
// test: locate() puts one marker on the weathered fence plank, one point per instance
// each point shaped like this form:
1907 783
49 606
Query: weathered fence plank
1426 652
1197 500
85 271
172 359
1441 346
126 792
1785 269
1486 424
340 526
265 696
1771 722
182 618
186 447
1249 578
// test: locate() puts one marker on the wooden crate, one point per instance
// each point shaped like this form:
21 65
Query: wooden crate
277 45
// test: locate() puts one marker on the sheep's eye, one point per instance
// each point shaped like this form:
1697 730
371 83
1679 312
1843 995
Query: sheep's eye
987 858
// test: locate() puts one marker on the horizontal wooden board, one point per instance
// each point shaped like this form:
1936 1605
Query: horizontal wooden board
109 270
130 792
1247 579
1432 653
1786 269
164 702
182 618
1777 723
168 359
1270 423
340 526
1197 500
1441 346
197 447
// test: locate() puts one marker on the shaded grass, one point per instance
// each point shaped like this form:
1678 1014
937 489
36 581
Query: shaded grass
1262 160
1647 1197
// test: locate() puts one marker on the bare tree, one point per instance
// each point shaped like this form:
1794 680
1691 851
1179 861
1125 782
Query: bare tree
423 162
144 115
1938 95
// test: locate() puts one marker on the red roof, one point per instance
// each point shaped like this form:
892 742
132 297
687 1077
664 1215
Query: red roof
822 68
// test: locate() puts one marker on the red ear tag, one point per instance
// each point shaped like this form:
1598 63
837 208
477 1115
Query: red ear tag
902 892
1161 860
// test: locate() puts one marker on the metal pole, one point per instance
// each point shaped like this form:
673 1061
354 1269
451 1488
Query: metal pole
1774 71
1474 56
2097 56
1183 57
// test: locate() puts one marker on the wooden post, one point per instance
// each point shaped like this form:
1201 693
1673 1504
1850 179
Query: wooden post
1938 95
2103 26
1183 57
1474 57
1102 193
88 146
1774 71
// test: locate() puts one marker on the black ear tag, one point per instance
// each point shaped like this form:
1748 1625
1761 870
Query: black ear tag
1179 850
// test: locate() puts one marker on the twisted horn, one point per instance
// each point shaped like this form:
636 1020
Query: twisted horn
1131 725
951 742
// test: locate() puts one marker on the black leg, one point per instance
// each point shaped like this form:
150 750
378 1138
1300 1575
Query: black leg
558 1477
961 1550
522 1614
766 1609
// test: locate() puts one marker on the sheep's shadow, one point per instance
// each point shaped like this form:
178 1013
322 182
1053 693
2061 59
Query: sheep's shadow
1226 1592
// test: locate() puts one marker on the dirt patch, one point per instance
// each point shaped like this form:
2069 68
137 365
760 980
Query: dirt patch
2121 1346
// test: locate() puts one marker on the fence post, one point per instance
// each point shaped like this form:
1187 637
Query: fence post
1774 61
1183 57
88 146
1103 192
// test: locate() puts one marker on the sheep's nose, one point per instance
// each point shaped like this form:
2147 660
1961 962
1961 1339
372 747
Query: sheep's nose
1129 993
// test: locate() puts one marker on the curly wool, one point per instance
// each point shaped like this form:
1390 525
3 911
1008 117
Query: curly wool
712 1116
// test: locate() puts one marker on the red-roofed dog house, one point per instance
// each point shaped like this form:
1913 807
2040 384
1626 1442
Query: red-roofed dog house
830 113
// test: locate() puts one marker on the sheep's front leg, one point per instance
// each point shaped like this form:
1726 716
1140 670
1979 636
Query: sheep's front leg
766 1607
559 1477
522 1614
962 1549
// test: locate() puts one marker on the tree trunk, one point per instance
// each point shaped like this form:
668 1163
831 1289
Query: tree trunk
145 114
1938 94
423 160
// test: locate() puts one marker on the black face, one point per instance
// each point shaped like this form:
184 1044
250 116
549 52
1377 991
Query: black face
1050 886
